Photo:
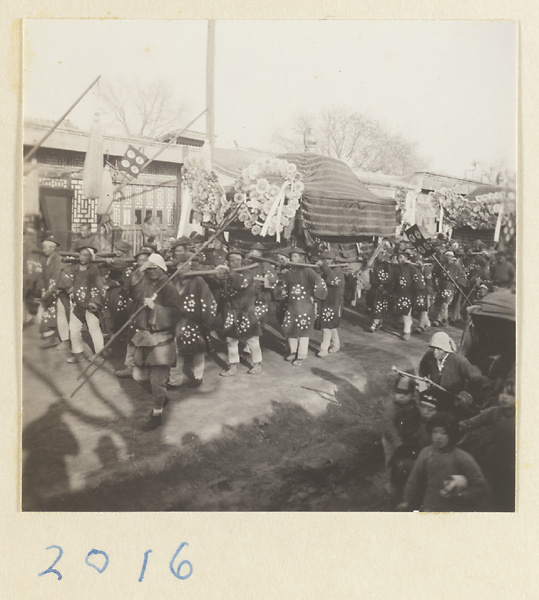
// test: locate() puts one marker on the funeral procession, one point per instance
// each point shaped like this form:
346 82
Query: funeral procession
254 325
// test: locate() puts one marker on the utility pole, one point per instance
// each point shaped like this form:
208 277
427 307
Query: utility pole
210 88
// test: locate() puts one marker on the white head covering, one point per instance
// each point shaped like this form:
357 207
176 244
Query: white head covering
158 260
442 341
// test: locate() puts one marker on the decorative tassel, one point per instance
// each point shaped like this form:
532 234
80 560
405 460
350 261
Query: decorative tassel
93 163
104 204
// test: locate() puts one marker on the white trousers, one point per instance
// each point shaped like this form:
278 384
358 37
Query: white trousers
196 362
330 337
75 331
408 322
253 343
299 346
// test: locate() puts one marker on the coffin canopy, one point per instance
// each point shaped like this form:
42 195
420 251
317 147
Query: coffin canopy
336 204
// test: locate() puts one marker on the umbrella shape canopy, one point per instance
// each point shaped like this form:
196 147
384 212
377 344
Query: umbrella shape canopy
104 203
336 204
501 305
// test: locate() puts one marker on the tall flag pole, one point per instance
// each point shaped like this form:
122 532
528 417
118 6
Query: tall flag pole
210 89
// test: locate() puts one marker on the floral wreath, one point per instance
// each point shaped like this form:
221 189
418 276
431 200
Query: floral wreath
207 194
268 208
480 213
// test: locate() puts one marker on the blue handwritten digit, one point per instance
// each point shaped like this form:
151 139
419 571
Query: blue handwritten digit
96 567
50 569
176 572
144 564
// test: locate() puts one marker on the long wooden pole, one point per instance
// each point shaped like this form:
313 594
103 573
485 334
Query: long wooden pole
31 152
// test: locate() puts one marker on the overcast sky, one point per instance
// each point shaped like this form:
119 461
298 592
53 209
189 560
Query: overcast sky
450 86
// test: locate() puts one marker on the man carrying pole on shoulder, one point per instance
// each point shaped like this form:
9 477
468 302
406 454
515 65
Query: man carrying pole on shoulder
154 340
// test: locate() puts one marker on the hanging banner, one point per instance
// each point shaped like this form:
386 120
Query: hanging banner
416 238
132 161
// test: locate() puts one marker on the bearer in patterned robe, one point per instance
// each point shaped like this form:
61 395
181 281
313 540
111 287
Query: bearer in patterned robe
300 286
54 306
405 281
330 308
197 315
240 322
87 300
265 279
381 295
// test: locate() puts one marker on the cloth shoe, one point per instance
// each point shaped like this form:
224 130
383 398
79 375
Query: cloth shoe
334 349
230 372
290 357
153 422
297 363
255 369
405 336
322 353
126 373
195 383
76 358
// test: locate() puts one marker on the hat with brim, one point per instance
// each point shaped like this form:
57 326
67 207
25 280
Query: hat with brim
144 250
87 247
442 341
198 239
283 252
183 241
449 254
122 246
236 251
50 239
258 246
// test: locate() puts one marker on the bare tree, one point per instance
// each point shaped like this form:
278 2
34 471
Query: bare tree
148 110
362 142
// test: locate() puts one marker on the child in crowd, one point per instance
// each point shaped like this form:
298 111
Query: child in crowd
499 460
444 478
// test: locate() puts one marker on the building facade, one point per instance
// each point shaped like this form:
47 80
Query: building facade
64 209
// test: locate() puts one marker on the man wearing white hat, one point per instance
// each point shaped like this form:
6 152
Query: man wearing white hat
446 288
452 371
154 341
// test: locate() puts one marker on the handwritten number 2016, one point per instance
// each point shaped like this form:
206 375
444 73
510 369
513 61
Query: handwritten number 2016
100 568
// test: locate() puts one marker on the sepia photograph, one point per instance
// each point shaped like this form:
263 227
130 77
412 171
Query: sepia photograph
269 265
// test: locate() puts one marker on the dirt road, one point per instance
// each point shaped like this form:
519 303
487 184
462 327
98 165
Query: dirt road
290 438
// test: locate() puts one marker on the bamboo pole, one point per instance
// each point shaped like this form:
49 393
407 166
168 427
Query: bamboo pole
31 152
180 269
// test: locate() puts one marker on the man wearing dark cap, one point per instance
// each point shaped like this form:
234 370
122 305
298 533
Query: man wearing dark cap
54 305
409 290
86 239
240 320
132 287
180 251
265 279
197 316
300 286
87 300
330 308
